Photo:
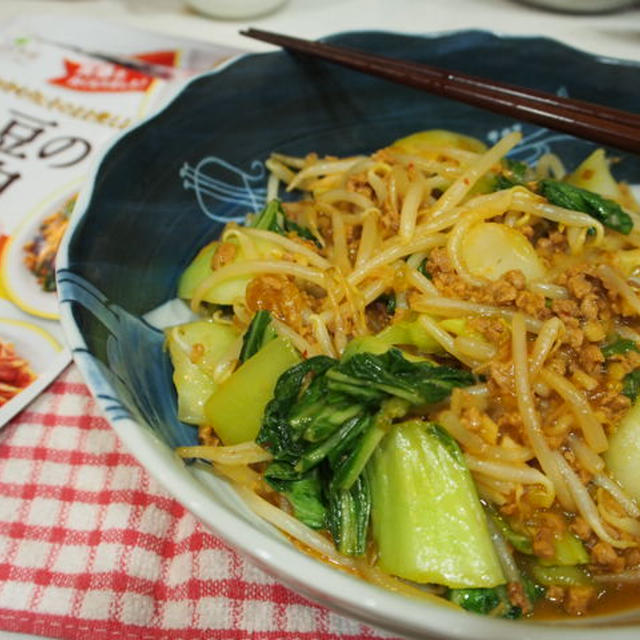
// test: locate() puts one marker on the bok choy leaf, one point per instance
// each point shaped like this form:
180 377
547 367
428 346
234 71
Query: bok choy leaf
325 421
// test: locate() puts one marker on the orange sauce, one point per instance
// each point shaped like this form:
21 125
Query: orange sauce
615 598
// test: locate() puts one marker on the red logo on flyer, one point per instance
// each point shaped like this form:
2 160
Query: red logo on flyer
101 77
161 58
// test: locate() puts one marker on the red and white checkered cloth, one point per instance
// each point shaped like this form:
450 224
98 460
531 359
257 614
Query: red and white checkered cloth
92 547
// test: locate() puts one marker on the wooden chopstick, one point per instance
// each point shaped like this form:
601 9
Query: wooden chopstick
588 120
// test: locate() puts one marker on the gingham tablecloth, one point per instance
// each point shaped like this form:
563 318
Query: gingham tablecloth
91 547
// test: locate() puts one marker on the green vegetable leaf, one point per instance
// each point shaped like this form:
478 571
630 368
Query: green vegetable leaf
319 411
514 173
519 541
533 590
482 601
631 384
347 472
293 227
422 268
267 219
565 195
330 417
502 182
427 520
492 602
568 550
276 434
304 492
565 576
326 420
348 517
369 376
260 331
390 306
618 346
516 169
273 218
334 447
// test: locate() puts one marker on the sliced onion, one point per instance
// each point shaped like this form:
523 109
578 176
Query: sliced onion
244 453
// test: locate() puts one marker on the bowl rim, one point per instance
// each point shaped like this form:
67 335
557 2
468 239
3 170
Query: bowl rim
341 592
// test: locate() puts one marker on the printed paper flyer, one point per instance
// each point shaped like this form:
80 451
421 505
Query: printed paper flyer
59 105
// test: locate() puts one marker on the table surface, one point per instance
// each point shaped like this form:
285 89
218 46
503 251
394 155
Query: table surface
616 34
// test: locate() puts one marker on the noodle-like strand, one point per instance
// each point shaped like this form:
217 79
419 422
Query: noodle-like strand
322 168
280 171
254 268
529 202
322 335
545 342
479 350
290 161
248 248
611 516
449 171
549 165
505 555
522 474
453 308
343 195
409 211
340 250
424 285
394 253
530 419
377 184
586 456
445 340
289 245
474 443
382 579
591 428
585 504
549 290
618 494
298 341
244 453
273 185
241 475
463 184
292 527
617 284
368 238
488 492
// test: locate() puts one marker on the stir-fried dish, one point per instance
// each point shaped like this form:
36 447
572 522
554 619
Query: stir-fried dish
41 251
15 372
423 370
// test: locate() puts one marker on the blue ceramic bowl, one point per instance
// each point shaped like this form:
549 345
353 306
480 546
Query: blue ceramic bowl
166 187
